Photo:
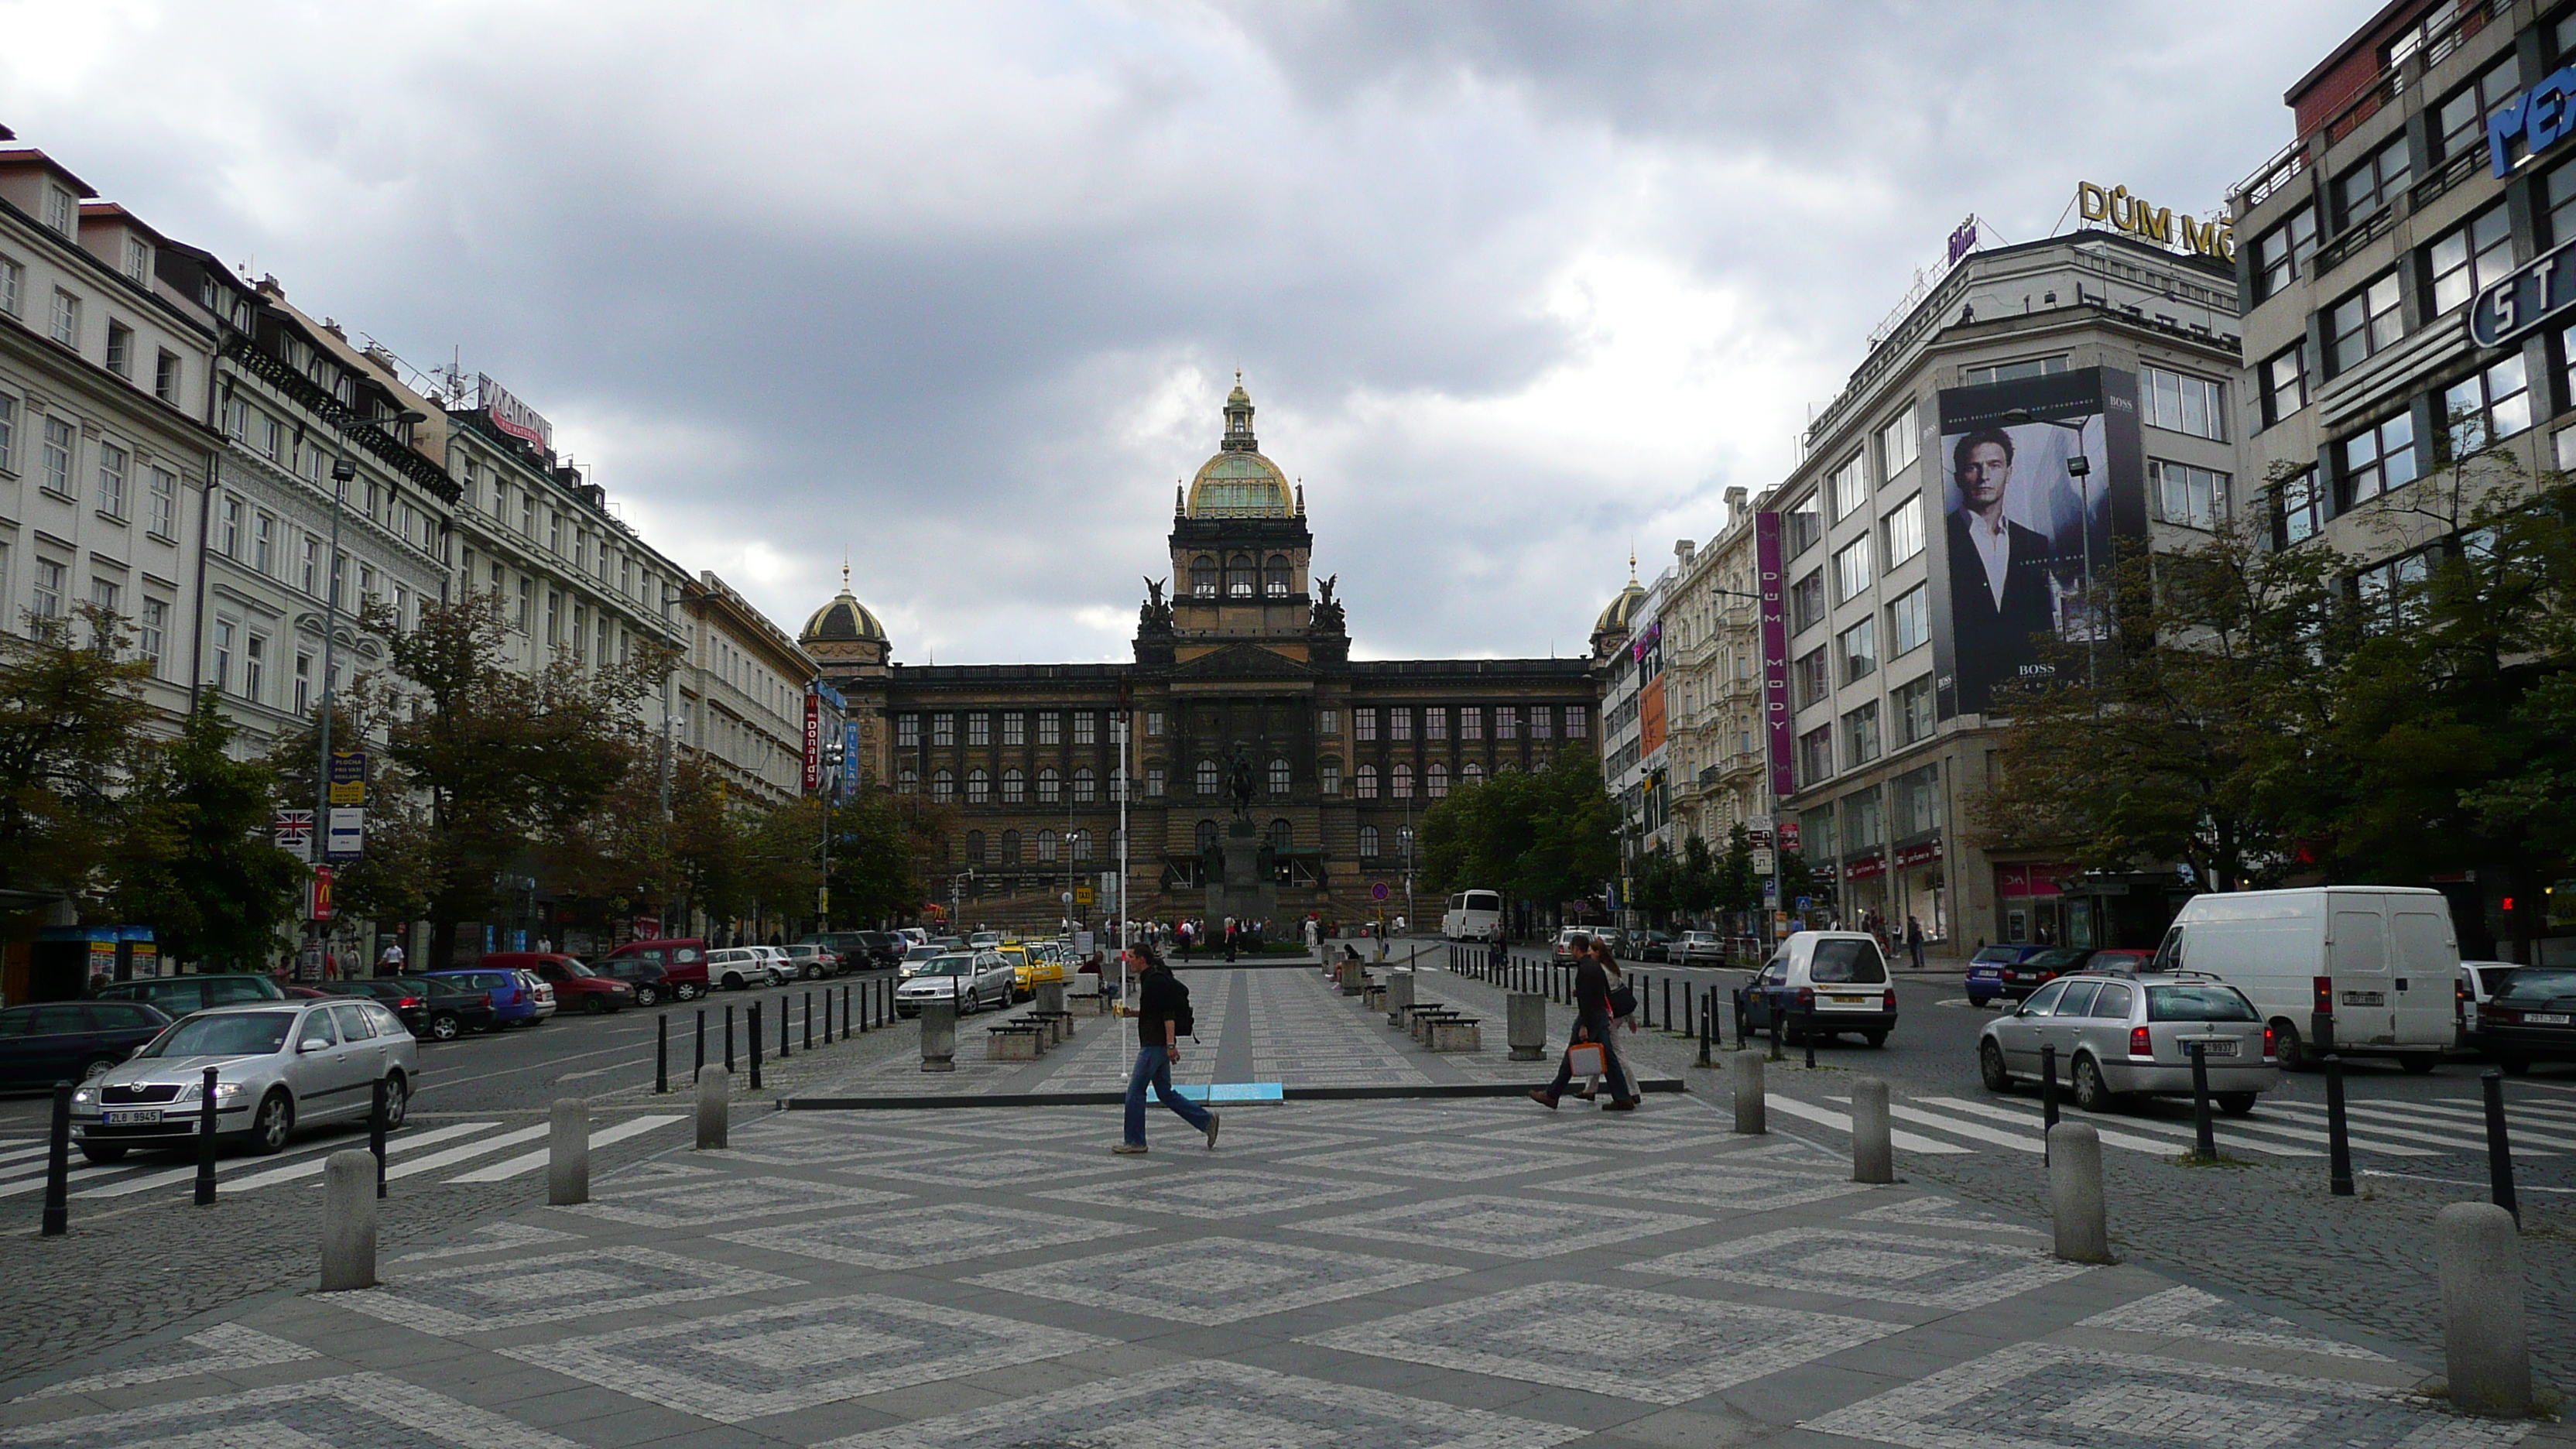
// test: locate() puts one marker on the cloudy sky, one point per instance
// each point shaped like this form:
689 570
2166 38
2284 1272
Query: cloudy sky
958 288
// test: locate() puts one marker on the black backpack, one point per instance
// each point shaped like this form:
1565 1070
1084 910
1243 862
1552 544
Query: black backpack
1185 1022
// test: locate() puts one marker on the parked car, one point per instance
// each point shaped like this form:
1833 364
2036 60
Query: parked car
858 950
430 1008
2017 982
683 960
643 976
572 983
1031 964
72 1041
1698 948
2531 1019
1986 968
179 995
741 968
512 997
2122 1035
279 1065
541 992
1563 949
984 939
918 957
2479 982
1828 982
973 979
2381 961
812 962
2118 961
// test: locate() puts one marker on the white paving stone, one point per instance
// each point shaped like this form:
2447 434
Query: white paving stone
1885 1267
552 1288
351 1411
2189 1312
918 1237
1507 1226
1216 1280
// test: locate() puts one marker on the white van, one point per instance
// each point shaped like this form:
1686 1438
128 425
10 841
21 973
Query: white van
2382 960
1472 916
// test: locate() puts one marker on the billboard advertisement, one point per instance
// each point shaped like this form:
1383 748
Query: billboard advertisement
2046 484
1651 723
1778 725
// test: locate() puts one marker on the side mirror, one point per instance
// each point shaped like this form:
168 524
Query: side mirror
136 1051
313 1044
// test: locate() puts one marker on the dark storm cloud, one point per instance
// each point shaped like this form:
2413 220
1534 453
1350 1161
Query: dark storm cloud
958 289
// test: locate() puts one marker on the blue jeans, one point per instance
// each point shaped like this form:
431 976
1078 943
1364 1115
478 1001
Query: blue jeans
1154 1064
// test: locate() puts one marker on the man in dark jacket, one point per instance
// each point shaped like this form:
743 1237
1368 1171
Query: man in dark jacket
1998 572
1591 1024
1159 1001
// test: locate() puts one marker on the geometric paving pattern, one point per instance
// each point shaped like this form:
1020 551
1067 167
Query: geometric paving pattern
1218 1280
1008 1167
2190 1313
1654 1347
1507 1226
493 1238
699 1201
775 1360
2052 1396
1219 1193
1707 1184
219 1350
1212 1404
352 1409
918 1237
1940 1212
1882 1267
1440 1161
516 1292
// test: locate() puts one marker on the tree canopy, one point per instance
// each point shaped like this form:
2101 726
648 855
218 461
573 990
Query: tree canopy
1546 836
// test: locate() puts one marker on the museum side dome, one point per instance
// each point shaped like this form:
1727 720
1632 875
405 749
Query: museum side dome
844 619
1621 612
1238 482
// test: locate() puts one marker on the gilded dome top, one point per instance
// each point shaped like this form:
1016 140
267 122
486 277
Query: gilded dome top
1615 619
1238 482
845 618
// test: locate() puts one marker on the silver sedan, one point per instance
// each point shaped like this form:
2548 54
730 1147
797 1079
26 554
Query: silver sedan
2121 1035
278 1065
972 979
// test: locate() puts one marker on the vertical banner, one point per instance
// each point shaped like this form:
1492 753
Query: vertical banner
849 759
1779 727
813 742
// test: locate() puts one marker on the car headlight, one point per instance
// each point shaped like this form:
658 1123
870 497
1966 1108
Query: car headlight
82 1095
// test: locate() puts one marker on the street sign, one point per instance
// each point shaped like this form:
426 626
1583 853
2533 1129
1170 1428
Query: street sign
321 894
292 832
348 778
1789 835
1764 862
347 837
1806 903
1379 892
1084 895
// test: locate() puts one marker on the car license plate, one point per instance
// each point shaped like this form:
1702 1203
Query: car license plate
2212 1046
134 1119
2544 1018
1851 1001
2365 998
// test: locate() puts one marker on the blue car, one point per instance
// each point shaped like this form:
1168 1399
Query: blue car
513 1003
1986 970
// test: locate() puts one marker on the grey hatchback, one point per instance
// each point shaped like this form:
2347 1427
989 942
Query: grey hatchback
2120 1035
278 1065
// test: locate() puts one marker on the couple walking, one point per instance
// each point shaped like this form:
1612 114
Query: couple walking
1603 1001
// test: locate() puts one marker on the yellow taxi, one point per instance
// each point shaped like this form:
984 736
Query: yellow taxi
1030 964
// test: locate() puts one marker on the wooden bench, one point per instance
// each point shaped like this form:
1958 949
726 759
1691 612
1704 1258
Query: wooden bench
1015 1041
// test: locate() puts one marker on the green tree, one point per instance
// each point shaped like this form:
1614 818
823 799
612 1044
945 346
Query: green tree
72 718
878 844
196 861
1548 836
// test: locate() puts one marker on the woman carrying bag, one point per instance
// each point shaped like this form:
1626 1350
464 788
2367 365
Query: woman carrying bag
1592 1030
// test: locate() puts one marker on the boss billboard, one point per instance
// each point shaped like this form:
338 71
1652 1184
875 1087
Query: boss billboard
2046 484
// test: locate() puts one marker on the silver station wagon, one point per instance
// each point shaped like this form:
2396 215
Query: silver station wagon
2122 1035
278 1064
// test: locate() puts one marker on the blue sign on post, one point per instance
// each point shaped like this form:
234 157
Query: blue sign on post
849 758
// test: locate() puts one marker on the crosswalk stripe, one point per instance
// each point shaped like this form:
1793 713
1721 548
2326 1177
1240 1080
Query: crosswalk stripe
13 1154
310 1165
453 1155
2296 1133
1970 1130
2222 1136
1841 1122
2553 1116
531 1161
36 1183
2442 1116
2109 1138
2450 1140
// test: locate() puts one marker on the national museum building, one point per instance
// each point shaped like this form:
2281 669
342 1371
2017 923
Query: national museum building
1275 775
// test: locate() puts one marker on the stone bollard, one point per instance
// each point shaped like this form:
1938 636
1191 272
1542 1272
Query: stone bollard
1525 1025
715 1106
1744 1074
349 1221
939 1036
1873 1155
2484 1351
2075 1193
568 1154
1050 999
1399 995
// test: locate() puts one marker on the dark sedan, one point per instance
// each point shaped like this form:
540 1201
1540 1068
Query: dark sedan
71 1041
431 1008
2531 1018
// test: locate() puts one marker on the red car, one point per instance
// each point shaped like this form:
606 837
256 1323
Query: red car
683 960
577 987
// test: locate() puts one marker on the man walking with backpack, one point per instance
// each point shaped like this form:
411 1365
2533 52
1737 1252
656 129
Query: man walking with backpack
1163 1017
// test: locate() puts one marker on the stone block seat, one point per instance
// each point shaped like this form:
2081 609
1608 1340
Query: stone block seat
1016 1041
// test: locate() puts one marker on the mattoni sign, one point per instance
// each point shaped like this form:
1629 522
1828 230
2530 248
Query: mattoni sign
511 415
2133 216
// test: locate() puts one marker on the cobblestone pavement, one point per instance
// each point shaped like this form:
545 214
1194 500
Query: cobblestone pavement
1389 1274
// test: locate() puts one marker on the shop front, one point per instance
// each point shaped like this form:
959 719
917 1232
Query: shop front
1920 888
1865 892
2029 907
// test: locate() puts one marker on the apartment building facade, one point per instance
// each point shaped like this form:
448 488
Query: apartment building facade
1712 619
741 692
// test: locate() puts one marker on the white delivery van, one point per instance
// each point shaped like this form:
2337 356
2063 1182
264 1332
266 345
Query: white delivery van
2381 959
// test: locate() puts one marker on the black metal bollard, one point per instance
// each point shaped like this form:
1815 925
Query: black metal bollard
729 1038
2338 1141
786 1009
1668 1001
753 1019
2047 1096
58 1166
206 1140
809 1018
2204 1134
1807 1033
845 1012
1779 1036
700 1064
2499 1148
662 1053
885 1001
1707 1023
376 1132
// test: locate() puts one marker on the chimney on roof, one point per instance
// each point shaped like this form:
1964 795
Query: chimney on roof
1683 549
1735 501
332 326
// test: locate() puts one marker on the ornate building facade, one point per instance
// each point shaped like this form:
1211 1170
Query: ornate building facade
1242 705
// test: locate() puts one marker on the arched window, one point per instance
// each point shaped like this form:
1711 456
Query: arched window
1401 778
1086 786
979 787
1282 835
1366 782
1010 847
1203 576
1238 576
1207 836
1368 842
1435 781
1015 787
1046 847
907 781
974 847
1279 777
1081 841
1050 787
1207 777
1280 578
1471 773
943 786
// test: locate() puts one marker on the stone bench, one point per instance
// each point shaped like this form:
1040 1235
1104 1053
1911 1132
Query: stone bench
1015 1042
1457 1034
1426 1016
1059 1024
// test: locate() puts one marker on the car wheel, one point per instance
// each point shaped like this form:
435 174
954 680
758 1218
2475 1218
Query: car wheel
2091 1092
445 1027
2288 1049
2514 1066
732 982
103 1152
98 1066
2234 1104
1874 1038
597 1004
2419 1063
688 991
397 1101
647 996
274 1123
1990 1067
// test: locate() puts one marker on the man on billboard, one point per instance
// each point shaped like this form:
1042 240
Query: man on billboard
1999 571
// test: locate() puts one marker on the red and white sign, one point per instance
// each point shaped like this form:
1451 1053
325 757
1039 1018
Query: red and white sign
813 742
511 415
648 928
318 894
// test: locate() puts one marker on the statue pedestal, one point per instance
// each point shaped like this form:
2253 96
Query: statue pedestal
1244 890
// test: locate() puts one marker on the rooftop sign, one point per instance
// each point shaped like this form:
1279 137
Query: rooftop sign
2133 216
511 415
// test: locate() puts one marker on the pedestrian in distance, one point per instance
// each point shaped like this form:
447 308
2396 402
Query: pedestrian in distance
1591 1024
1163 1017
391 962
1623 1008
1914 940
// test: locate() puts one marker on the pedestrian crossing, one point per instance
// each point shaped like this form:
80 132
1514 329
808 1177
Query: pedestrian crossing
1945 1126
412 1153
